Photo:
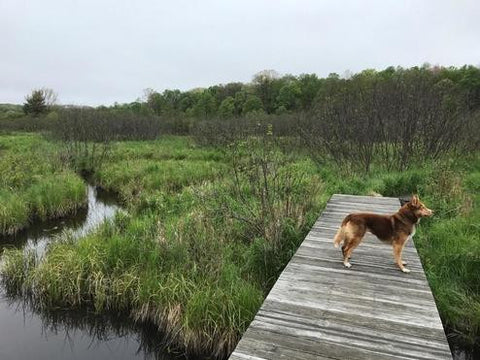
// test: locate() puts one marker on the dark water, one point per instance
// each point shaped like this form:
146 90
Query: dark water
460 349
460 352
26 333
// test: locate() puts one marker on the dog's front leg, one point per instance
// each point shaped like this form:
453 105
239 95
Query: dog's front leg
398 245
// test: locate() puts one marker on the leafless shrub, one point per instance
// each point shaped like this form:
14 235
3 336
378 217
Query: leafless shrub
394 121
222 132
266 189
86 137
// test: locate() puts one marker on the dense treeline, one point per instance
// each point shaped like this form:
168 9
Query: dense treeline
267 93
393 117
273 94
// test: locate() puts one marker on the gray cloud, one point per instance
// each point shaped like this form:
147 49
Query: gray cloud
98 52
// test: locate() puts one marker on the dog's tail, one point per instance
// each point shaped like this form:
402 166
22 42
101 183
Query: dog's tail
340 235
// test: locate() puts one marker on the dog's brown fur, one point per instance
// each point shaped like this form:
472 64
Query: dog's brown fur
394 229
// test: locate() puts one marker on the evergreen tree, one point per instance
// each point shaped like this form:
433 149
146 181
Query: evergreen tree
35 103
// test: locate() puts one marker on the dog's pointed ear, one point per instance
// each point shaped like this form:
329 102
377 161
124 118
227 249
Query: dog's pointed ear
414 200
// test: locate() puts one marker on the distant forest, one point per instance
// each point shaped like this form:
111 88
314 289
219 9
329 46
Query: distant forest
273 94
397 115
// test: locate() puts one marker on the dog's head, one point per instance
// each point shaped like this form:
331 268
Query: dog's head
419 208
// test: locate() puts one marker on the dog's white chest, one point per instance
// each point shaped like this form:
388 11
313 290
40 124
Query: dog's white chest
413 232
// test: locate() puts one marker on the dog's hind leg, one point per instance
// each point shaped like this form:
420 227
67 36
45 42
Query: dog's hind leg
347 249
341 234
339 238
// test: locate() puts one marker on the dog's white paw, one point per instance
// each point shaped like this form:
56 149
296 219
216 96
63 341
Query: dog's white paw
404 263
347 265
405 270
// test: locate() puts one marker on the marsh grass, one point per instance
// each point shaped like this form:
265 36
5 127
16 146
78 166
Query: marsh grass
180 260
449 247
14 212
113 271
56 195
138 169
34 184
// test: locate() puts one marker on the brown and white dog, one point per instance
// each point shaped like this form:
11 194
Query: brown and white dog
394 229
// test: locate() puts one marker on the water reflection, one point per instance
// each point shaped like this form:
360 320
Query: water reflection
27 333
101 206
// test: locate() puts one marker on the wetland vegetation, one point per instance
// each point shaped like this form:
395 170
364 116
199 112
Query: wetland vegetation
34 183
221 186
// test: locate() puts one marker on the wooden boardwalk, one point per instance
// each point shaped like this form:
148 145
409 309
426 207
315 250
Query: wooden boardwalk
319 310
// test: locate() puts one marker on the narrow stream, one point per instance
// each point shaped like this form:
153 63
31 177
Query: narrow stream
28 334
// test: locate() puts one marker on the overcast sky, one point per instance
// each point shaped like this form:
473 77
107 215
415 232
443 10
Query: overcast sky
101 51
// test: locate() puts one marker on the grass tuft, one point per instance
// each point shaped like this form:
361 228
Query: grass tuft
34 183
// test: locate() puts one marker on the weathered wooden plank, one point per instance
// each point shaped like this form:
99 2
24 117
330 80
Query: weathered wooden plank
304 344
341 206
358 199
333 318
364 338
388 290
264 349
319 310
398 313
